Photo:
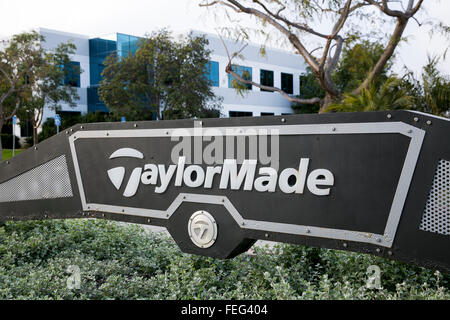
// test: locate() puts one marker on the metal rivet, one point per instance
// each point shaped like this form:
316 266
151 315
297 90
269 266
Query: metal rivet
200 122
123 210
81 127
103 214
223 200
45 216
266 235
243 223
409 131
378 250
390 253
107 133
428 122
35 148
67 132
333 129
283 120
378 240
135 125
148 220
167 215
184 197
7 162
308 231
389 115
345 245
416 119
167 132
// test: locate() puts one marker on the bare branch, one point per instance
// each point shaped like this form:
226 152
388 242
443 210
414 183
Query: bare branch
229 70
299 26
337 27
15 109
292 37
6 76
387 54
219 2
416 8
315 50
385 9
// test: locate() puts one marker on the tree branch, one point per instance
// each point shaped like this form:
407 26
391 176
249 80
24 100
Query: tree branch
15 110
291 36
229 70
387 54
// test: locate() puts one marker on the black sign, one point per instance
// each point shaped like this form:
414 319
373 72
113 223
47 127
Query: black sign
368 182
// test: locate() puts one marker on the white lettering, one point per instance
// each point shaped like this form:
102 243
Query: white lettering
150 175
199 176
290 180
314 180
165 177
229 173
266 183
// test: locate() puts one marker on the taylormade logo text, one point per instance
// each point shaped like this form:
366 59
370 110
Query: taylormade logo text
229 176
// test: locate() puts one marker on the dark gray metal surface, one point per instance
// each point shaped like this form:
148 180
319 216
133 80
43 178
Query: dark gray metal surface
369 171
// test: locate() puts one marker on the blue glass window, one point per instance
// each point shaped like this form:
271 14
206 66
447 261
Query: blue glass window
242 71
72 74
126 45
212 73
99 49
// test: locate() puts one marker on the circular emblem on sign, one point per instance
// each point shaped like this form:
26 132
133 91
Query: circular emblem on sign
202 229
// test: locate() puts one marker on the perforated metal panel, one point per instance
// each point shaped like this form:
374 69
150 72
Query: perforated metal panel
47 181
436 216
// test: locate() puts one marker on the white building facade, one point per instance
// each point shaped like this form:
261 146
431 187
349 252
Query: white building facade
277 68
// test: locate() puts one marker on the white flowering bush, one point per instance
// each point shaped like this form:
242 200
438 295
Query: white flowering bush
119 261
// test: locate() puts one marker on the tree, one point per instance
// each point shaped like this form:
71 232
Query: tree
162 77
352 69
51 82
18 57
430 93
31 78
355 64
389 96
296 21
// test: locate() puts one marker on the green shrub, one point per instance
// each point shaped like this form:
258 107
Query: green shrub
120 261
7 141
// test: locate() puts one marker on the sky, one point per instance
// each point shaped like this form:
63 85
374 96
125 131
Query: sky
137 17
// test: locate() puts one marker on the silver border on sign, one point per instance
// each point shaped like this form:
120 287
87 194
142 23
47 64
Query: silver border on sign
386 239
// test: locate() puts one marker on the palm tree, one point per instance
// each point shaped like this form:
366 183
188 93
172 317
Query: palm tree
390 95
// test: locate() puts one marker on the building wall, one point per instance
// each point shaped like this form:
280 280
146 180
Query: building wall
52 39
254 101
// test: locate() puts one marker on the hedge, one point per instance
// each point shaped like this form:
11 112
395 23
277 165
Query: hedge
119 261
7 141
